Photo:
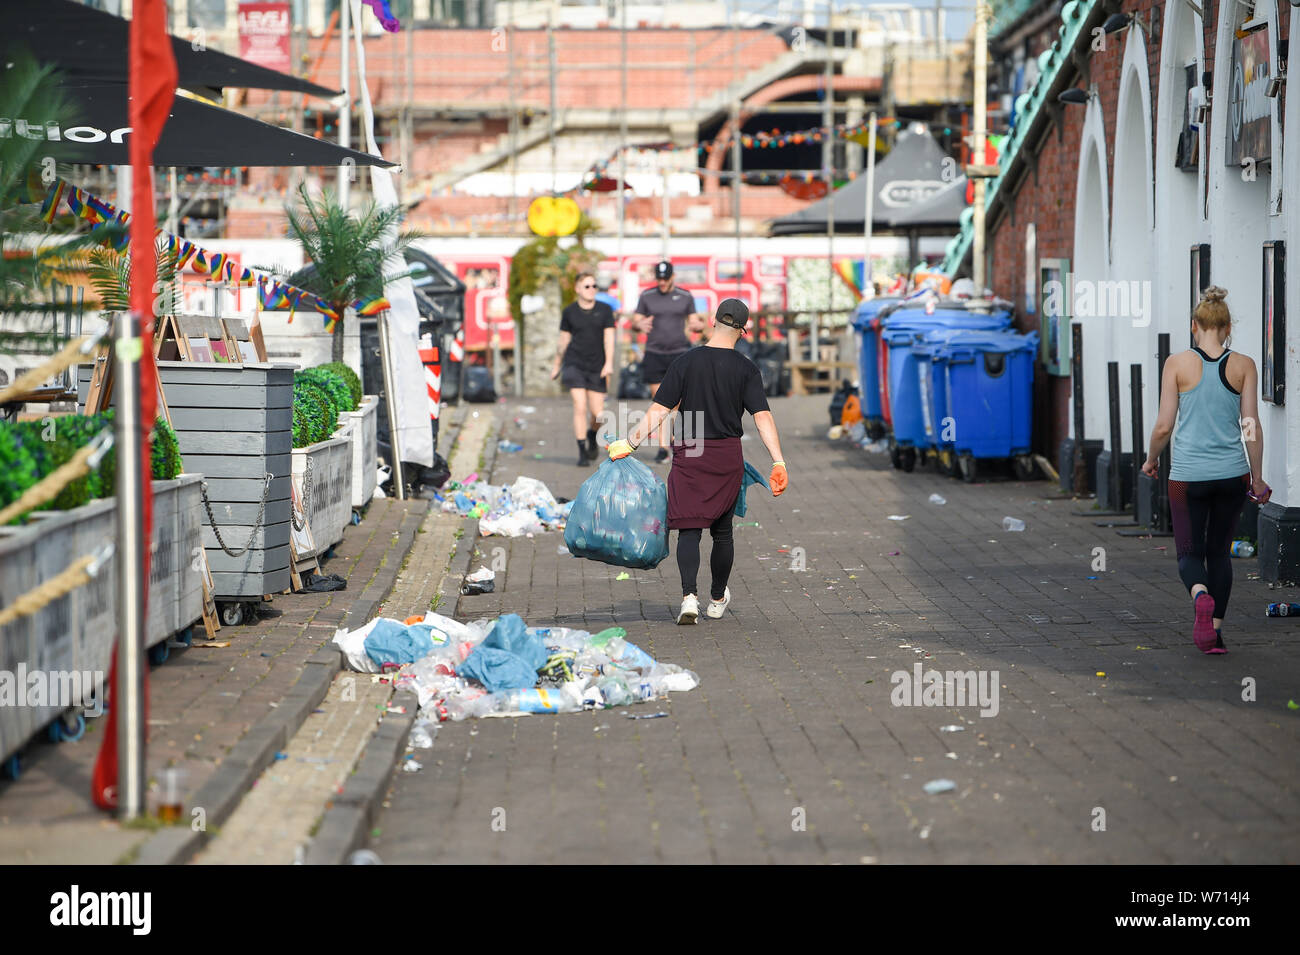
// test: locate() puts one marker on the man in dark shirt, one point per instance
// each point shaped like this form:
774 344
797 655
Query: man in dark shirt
666 313
712 387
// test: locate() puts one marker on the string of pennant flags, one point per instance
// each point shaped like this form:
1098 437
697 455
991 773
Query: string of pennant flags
272 294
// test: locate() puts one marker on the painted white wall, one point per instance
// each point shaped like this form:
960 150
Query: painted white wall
1132 235
1091 264
1239 225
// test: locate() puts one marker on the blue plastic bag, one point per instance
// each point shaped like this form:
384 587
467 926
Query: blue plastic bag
620 516
510 634
497 669
391 642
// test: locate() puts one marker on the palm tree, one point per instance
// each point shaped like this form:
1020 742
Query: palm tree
27 266
346 252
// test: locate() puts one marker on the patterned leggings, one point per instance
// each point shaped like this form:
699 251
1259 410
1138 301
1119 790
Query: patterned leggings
1205 517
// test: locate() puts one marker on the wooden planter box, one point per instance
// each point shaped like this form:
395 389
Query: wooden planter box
329 505
365 448
76 632
234 425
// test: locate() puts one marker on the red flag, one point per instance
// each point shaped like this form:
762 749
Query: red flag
152 85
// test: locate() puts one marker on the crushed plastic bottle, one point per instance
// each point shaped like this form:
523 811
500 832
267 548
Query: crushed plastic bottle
422 734
938 499
1243 549
1012 524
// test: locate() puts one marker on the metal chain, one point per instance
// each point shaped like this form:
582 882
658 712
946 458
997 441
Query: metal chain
306 497
212 521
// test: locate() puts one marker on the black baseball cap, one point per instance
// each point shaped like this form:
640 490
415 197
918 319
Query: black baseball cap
664 270
733 312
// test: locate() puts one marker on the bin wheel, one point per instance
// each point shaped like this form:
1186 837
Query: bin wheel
232 613
13 767
68 728
969 469
948 463
185 637
895 456
876 430
909 459
1024 466
159 653
356 518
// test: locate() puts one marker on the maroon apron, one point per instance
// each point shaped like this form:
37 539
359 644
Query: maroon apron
704 481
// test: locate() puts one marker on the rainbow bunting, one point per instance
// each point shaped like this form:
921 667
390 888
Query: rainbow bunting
372 307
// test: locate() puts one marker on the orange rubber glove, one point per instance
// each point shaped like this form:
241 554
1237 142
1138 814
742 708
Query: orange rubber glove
779 480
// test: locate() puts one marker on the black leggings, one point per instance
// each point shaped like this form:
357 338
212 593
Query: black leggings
720 561
1205 519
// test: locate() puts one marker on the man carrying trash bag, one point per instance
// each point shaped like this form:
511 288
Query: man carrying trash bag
712 387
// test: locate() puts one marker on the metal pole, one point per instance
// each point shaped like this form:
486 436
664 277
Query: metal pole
871 201
131 582
1116 438
736 159
390 401
981 94
1164 521
173 203
1139 455
666 213
345 111
550 52
620 198
514 116
828 163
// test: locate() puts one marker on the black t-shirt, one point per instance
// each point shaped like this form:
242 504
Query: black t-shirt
716 384
668 333
587 326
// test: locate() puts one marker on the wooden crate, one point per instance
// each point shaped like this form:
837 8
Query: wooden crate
365 448
234 425
329 509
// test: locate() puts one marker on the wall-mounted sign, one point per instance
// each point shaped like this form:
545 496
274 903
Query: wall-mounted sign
264 35
1250 112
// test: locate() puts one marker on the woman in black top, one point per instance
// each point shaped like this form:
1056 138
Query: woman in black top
585 358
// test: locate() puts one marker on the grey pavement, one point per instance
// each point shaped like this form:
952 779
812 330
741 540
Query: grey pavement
1114 739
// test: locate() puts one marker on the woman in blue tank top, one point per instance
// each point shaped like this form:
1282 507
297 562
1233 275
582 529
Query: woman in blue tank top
1218 445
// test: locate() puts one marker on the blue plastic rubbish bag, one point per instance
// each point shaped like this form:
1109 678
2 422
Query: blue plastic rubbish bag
392 642
510 634
620 516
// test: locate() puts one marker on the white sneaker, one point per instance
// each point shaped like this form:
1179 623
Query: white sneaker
718 607
690 611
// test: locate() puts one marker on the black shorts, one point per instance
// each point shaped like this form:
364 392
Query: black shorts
655 365
571 376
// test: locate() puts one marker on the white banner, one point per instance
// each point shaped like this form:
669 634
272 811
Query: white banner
410 402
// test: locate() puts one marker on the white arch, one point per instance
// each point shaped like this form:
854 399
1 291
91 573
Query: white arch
1129 148
1091 267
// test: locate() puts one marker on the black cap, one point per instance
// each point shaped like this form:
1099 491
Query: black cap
733 312
664 270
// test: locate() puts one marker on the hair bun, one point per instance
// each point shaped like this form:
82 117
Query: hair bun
1214 294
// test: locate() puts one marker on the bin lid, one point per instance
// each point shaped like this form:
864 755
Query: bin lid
972 342
869 311
951 321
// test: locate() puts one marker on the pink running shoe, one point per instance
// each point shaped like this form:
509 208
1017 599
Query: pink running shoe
1203 630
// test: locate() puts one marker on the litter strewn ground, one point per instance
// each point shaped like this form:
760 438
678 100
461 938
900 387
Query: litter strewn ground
500 667
524 508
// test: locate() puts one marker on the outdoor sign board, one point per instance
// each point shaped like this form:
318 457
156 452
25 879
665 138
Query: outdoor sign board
264 35
1250 112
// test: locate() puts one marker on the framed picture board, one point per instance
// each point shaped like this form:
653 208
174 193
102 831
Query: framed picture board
1056 292
1273 353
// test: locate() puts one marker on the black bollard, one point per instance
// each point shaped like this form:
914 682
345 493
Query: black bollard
1165 522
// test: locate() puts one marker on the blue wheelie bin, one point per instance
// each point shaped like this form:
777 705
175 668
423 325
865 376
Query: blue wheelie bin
902 328
990 382
866 321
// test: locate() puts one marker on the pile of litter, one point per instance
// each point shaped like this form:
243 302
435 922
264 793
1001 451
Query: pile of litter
524 508
501 667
